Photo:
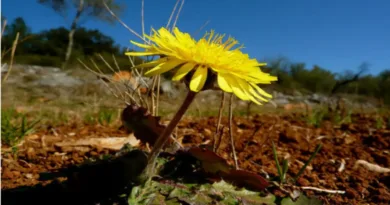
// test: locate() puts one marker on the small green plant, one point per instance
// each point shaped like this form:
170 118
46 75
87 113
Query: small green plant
106 116
103 117
89 119
62 117
282 170
316 118
379 122
15 126
339 119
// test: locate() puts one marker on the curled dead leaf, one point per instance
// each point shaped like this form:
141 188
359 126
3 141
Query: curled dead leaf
211 162
249 180
145 127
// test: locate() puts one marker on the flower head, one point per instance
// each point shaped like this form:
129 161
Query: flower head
235 71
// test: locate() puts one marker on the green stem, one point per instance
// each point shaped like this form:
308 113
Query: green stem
163 138
308 162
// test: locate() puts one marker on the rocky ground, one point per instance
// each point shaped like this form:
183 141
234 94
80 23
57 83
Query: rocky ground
352 167
354 158
51 83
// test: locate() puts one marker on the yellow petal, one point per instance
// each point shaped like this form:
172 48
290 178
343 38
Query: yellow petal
236 87
250 92
151 63
263 78
245 87
183 71
141 53
141 45
223 83
254 93
261 91
198 79
254 100
163 67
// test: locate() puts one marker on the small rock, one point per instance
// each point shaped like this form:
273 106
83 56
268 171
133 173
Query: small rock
290 135
207 133
7 174
32 137
94 153
28 176
239 131
16 174
31 154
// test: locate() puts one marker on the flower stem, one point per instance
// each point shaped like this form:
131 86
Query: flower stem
163 138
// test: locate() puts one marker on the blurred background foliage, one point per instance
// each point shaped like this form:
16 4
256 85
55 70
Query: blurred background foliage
48 48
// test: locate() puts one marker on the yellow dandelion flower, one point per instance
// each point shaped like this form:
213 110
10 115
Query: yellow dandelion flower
235 71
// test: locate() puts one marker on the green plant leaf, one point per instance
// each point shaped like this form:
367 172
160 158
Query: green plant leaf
302 200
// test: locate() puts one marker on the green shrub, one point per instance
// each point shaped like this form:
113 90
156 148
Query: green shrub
15 126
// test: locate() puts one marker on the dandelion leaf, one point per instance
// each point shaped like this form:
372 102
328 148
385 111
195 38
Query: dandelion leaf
302 200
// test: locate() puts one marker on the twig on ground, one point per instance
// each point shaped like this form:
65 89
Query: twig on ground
329 191
262 170
370 166
281 188
342 166
231 131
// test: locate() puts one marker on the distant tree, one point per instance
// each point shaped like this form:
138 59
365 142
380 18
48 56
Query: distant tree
93 41
384 86
349 77
279 67
86 42
18 25
51 42
84 8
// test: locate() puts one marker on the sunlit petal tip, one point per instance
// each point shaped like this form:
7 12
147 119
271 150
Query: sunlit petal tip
141 45
223 83
264 99
162 68
183 71
140 53
262 64
261 91
198 79
151 63
253 99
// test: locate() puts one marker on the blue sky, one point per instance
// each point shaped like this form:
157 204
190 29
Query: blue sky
334 34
